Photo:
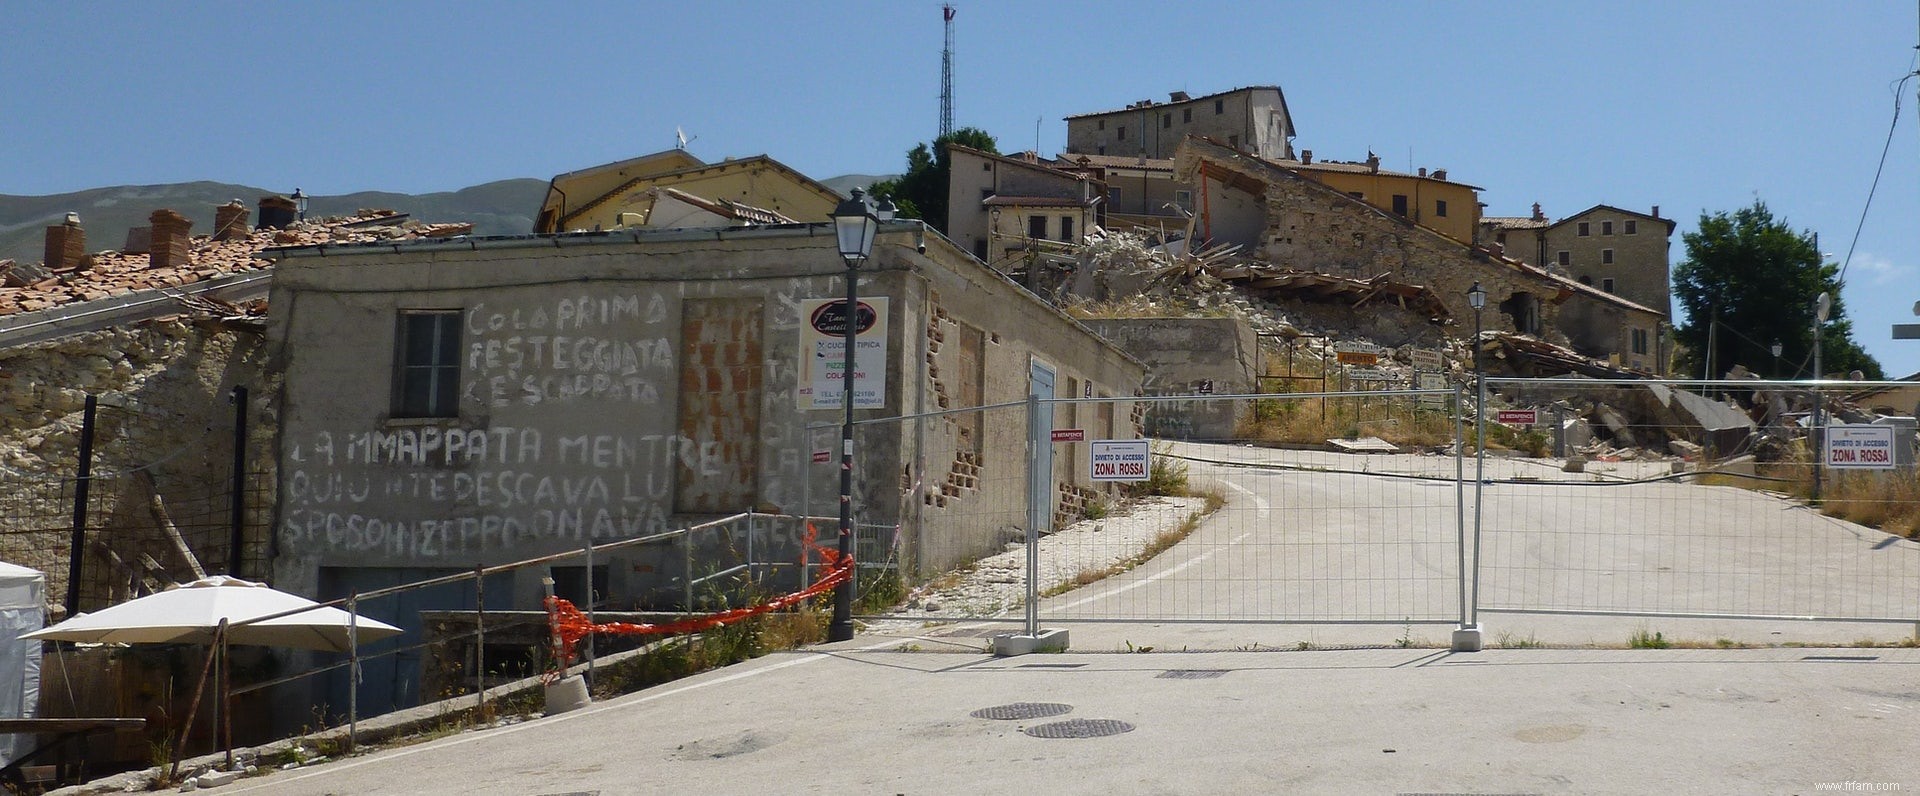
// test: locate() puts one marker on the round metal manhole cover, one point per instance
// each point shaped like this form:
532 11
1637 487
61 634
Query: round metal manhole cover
1022 710
1079 728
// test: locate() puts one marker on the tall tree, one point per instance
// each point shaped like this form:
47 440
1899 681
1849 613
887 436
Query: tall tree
922 191
1749 281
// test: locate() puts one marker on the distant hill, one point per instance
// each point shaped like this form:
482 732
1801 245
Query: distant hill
505 207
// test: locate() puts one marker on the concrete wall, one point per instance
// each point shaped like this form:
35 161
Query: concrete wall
608 390
1191 356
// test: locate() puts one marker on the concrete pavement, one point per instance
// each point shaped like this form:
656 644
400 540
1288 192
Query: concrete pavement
854 718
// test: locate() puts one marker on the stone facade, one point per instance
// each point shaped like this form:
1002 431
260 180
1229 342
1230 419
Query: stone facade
1191 357
164 425
1253 119
1618 251
1291 221
995 204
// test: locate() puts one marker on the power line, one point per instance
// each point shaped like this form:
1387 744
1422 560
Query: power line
1898 88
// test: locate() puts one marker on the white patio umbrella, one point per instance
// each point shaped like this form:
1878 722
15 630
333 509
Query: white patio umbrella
219 611
191 613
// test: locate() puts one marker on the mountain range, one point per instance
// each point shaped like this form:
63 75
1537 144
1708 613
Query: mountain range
505 207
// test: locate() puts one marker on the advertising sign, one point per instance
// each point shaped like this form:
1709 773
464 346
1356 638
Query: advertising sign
823 353
1859 447
1120 460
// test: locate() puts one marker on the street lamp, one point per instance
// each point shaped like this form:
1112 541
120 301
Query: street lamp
1776 358
855 221
1821 306
299 205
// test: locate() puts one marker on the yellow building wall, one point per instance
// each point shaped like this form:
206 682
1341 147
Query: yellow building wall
1463 202
757 184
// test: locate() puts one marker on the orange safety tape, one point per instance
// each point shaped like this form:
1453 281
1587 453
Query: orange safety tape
569 625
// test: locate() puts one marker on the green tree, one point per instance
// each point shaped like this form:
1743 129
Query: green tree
1760 279
922 191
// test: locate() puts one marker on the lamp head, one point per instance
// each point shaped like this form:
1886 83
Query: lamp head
854 223
1821 306
1476 296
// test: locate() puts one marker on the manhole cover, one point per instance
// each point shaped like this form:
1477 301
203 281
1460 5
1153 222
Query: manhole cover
1079 728
1022 710
1190 674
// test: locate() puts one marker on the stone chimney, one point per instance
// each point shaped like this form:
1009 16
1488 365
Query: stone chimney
1306 157
171 236
1439 174
1423 171
230 221
1537 215
277 212
1373 163
66 245
1656 211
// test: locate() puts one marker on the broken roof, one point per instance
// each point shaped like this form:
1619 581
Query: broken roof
1514 222
113 273
1116 162
727 208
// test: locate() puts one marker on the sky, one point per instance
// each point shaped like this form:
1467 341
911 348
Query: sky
1692 106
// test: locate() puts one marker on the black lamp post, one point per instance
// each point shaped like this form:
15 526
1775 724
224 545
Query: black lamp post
1477 299
855 221
299 205
1775 348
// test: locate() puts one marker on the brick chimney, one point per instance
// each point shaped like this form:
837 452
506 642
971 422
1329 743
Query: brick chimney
230 221
1306 157
66 245
1537 215
1656 211
1423 171
1439 174
171 234
277 212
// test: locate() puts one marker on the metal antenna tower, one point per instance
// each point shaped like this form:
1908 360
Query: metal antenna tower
946 76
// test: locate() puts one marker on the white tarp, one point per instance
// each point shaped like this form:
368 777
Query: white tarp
22 611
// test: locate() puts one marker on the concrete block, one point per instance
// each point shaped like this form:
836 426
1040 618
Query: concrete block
1467 639
1010 644
570 693
214 779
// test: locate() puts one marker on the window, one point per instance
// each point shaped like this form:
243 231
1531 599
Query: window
987 166
1100 124
1606 228
1500 237
1633 227
1607 284
1585 229
1036 227
1565 258
1166 120
1639 340
1183 200
1121 132
1186 116
1219 107
1066 228
1233 141
426 364
1400 204
1357 195
1606 256
1440 208
1101 150
985 194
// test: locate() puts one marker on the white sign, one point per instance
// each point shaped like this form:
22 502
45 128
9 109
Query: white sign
1426 359
1369 374
1860 447
823 347
1431 381
1121 460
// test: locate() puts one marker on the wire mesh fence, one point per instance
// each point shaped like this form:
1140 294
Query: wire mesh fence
1696 499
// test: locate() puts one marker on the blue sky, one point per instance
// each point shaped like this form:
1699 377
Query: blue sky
1689 106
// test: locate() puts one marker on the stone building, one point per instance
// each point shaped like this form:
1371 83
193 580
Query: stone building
1295 222
477 402
1000 207
1618 251
622 194
1253 119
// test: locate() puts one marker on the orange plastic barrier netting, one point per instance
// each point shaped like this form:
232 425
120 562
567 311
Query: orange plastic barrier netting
569 625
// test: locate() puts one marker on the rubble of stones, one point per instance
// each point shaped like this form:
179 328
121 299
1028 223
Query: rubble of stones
1595 419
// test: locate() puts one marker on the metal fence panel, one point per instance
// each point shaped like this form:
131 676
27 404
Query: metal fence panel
1686 499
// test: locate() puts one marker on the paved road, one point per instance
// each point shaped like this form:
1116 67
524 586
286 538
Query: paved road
1311 541
1334 722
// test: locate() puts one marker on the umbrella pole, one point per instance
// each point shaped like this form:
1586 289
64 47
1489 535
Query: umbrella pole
226 697
199 688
